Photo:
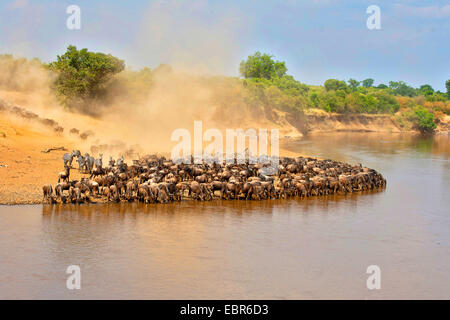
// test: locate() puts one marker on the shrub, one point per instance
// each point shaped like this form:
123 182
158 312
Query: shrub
333 84
83 75
386 103
262 66
424 120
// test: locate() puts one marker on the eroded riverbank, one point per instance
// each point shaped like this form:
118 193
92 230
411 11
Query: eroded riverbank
24 168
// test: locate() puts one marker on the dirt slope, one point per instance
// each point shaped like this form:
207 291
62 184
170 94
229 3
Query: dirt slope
23 167
321 121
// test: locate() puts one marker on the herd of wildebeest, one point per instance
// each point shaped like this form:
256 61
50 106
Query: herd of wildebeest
155 179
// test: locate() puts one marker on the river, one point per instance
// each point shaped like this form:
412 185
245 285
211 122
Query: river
315 248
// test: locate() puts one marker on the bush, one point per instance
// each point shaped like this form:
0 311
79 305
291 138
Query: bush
331 102
290 85
447 86
83 75
334 84
262 66
386 103
424 120
402 89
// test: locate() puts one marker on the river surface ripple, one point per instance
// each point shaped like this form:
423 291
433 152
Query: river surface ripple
283 249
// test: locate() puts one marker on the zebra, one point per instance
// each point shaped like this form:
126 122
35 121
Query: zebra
76 153
81 163
89 162
68 158
99 162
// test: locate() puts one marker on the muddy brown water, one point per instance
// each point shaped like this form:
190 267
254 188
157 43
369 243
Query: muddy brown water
282 249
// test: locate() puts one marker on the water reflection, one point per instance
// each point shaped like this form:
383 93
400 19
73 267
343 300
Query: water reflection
237 207
338 145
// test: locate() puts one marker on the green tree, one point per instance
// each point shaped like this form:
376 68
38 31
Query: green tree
334 84
314 97
353 84
424 120
262 66
402 89
386 103
426 90
290 85
447 85
367 83
370 104
83 75
382 86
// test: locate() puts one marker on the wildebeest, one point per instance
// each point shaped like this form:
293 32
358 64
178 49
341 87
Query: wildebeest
64 175
152 179
48 192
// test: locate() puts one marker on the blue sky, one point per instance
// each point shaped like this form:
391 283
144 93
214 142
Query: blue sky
318 39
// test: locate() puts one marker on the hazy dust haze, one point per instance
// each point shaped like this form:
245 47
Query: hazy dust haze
140 116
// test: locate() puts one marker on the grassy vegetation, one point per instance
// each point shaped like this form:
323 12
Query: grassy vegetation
84 80
412 108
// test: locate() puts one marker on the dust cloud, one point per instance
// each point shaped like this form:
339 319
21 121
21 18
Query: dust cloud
140 116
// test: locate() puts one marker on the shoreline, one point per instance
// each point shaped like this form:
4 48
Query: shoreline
188 200
21 181
299 177
24 168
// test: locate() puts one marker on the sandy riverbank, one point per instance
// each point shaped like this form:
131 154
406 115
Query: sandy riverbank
24 168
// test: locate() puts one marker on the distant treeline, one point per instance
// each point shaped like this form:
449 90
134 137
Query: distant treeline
88 81
413 107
